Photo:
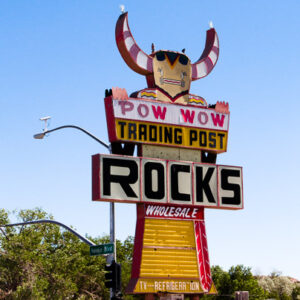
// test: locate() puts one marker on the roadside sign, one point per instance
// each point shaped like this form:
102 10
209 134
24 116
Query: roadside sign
163 181
101 249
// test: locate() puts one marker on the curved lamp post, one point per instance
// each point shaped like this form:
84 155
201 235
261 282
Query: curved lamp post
85 240
112 205
46 131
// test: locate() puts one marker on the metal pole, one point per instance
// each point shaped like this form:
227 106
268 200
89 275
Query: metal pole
42 134
84 239
112 230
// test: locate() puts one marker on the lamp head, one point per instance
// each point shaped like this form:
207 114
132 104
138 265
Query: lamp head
39 136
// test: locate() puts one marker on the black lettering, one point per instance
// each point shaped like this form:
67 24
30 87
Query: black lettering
235 188
212 140
175 194
202 185
142 132
122 124
177 136
123 180
158 194
221 135
152 133
168 135
193 136
202 139
132 131
160 133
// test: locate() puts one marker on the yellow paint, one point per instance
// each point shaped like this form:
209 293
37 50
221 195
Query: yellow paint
194 100
169 233
171 135
149 94
169 259
169 250
172 286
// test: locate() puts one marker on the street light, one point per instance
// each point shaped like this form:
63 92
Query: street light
84 239
41 135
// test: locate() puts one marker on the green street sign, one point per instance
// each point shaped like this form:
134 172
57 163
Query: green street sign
102 249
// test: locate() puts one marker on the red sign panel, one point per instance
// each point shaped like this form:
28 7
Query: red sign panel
173 212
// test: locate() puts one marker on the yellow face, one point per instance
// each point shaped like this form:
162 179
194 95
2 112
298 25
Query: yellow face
172 74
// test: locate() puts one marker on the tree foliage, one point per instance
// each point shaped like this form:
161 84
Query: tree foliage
44 262
238 278
279 287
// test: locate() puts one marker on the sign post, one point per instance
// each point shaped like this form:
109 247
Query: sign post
175 175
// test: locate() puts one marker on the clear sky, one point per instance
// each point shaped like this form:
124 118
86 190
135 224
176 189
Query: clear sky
58 57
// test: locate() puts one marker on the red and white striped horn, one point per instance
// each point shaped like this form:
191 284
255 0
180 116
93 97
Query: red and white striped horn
204 65
135 58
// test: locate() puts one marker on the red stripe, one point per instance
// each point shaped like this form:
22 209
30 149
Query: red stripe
172 81
216 50
194 71
209 65
96 177
138 241
134 50
149 64
110 119
202 254
126 34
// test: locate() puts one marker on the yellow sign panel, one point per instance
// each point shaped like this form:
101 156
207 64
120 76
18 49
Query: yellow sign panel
171 135
169 259
169 249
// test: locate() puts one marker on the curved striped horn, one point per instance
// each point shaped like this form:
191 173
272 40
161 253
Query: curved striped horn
208 59
135 58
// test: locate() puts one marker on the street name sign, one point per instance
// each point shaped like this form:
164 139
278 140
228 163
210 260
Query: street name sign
101 249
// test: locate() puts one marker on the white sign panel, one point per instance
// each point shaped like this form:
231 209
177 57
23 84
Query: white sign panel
180 183
141 180
168 113
205 185
155 176
120 178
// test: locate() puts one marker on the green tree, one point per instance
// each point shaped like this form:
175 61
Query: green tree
44 262
243 280
238 278
279 287
296 292
222 282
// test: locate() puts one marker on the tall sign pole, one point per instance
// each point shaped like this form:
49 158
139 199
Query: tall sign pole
175 175
113 256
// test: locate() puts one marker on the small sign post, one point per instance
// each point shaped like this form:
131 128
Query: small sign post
101 249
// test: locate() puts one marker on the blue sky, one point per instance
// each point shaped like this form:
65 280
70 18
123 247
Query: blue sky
58 57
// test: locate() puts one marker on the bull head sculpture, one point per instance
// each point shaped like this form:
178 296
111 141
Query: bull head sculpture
169 73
